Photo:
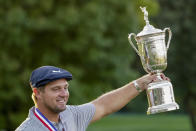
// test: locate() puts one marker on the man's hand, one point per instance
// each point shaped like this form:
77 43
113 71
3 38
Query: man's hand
149 78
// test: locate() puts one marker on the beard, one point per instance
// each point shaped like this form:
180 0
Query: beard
54 109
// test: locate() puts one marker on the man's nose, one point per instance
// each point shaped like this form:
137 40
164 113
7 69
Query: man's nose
64 93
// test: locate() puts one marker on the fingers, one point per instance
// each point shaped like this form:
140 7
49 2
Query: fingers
167 79
164 77
149 78
155 79
160 77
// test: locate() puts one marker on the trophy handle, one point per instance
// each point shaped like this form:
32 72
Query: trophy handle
170 35
129 38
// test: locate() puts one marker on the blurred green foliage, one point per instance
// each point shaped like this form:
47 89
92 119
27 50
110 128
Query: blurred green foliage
88 38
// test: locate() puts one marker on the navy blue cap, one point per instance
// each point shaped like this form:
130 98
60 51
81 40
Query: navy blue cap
45 74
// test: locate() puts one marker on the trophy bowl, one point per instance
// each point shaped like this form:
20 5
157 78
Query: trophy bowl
152 50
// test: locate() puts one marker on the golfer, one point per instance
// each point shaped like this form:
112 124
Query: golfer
51 93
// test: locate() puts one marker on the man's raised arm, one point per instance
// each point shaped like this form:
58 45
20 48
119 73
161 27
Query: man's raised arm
118 98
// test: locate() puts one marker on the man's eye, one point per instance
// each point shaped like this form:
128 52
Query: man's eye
55 89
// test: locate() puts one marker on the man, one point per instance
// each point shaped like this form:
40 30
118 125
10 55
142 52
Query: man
50 95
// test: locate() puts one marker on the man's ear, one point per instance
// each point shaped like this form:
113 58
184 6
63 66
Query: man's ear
36 92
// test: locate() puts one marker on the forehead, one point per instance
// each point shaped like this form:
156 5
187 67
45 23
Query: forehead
59 82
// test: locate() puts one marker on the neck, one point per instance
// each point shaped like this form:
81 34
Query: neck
52 116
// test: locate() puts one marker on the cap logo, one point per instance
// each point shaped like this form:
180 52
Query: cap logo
56 71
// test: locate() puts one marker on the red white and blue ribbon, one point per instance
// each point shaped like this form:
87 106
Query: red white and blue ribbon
44 120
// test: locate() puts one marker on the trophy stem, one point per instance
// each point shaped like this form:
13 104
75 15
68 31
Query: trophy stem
159 76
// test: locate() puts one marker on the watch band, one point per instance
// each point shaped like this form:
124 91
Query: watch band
137 86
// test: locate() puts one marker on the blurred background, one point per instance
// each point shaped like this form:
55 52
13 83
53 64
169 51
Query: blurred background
89 38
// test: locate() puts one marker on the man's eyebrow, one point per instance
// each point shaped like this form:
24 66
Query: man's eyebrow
66 85
55 86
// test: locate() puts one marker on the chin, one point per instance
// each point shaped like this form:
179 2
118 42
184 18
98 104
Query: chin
58 109
61 109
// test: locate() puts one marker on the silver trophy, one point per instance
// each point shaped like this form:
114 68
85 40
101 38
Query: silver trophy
152 50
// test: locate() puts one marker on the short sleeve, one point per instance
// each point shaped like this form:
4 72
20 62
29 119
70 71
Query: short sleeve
82 114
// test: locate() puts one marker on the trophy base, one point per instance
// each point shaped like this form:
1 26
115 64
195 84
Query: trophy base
162 108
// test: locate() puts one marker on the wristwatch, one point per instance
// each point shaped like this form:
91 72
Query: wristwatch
137 86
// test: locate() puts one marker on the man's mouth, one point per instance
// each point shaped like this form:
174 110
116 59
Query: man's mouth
61 101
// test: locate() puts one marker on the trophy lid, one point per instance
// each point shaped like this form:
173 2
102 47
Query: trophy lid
148 29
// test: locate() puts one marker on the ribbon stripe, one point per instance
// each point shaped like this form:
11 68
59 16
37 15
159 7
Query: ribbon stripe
44 120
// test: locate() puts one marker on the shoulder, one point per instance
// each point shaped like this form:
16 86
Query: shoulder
78 116
76 111
24 126
80 111
80 107
27 125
